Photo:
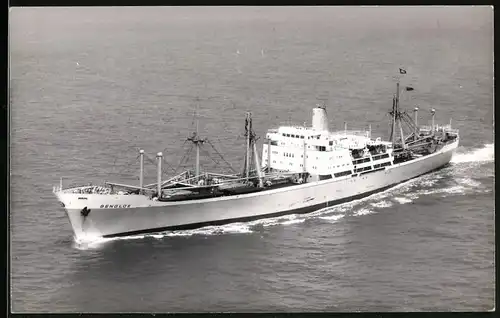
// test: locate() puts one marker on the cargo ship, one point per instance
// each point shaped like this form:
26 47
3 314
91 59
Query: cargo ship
299 170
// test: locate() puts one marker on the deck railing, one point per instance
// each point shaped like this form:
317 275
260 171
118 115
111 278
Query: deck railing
359 133
446 128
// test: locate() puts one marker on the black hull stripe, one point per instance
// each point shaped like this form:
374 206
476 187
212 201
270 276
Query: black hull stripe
304 210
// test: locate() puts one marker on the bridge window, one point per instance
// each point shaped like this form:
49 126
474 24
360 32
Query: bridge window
362 169
288 135
341 174
301 137
381 157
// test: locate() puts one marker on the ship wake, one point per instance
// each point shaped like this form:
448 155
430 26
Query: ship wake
484 154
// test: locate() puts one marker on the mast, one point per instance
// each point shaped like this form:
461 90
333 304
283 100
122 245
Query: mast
196 140
397 94
197 151
248 135
141 174
252 141
397 116
393 126
158 186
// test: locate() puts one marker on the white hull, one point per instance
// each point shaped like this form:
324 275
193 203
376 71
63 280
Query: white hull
140 214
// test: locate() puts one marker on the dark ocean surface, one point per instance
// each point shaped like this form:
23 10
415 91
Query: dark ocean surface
91 85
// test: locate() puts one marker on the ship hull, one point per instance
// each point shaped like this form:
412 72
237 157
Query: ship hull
134 214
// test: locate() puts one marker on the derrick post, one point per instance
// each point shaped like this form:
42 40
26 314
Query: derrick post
141 173
433 112
158 186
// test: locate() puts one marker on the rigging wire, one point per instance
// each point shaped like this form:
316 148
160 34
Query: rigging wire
184 157
151 160
114 163
166 163
220 155
408 122
217 163
116 159
171 168
194 116
162 168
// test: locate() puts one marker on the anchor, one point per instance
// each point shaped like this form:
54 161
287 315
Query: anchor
84 212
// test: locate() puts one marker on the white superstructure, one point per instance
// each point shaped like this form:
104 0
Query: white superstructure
322 153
